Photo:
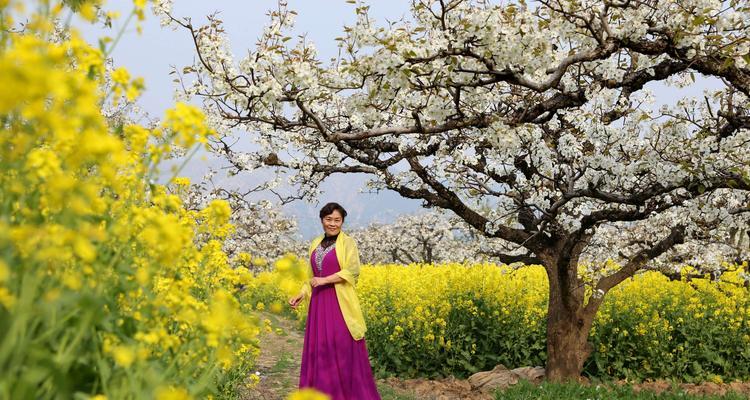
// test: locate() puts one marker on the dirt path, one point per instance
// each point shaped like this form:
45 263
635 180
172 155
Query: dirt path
279 363
279 360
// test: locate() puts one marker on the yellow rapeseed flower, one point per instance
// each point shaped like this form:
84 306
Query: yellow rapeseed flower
4 271
121 76
123 355
172 393
181 181
7 299
308 394
189 124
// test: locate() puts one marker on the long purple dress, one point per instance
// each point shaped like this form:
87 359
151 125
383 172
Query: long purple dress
332 361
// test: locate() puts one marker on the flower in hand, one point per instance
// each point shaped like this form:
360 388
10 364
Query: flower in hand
294 301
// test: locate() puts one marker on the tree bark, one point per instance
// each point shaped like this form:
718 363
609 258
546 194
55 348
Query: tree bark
568 320
567 342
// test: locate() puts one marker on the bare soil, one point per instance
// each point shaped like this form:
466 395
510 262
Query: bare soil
279 361
704 389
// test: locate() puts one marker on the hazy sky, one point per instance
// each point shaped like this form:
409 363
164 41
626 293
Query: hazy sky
153 54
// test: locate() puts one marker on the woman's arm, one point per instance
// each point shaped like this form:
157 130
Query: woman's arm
333 278
320 281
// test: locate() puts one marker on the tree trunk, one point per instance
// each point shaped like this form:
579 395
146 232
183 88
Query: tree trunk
567 343
568 321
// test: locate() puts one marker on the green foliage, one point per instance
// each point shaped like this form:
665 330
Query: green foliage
440 320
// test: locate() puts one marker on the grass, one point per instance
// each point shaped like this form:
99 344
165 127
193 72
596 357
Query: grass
572 391
285 362
388 393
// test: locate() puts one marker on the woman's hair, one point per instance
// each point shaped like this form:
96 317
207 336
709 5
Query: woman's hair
329 208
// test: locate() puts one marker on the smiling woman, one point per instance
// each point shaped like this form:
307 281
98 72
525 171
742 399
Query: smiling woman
334 356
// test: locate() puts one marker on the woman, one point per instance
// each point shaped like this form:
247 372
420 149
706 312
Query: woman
334 358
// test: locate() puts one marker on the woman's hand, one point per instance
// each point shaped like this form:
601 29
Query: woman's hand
294 301
318 281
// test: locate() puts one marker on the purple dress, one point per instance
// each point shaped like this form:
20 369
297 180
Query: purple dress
332 361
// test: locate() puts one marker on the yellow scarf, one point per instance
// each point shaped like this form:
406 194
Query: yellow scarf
348 258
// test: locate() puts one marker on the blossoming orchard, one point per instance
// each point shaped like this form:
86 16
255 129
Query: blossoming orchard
585 165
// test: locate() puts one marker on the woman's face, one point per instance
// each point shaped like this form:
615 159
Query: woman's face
332 223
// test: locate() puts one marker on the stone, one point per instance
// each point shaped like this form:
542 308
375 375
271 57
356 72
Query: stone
532 374
499 377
